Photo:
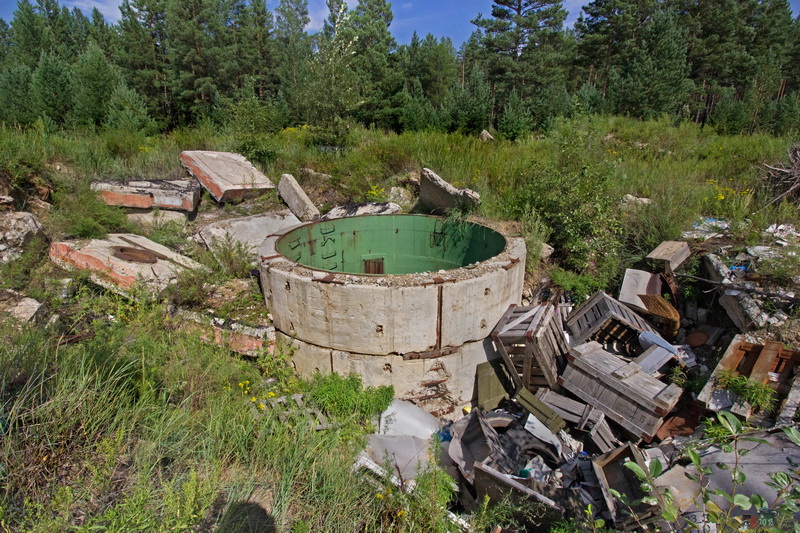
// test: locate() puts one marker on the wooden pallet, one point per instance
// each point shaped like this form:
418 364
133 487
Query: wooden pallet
604 319
532 343
585 417
623 391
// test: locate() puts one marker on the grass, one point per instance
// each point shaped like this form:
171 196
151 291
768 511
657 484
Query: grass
139 425
143 427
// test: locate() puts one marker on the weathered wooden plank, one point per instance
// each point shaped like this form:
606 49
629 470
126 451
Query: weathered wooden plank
771 351
653 359
671 254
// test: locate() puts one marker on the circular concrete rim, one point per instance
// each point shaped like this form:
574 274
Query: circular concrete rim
271 257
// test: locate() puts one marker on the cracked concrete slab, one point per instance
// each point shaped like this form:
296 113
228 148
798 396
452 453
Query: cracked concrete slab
228 177
122 261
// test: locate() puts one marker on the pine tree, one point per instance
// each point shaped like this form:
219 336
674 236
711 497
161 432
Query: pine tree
28 35
102 33
417 113
142 54
517 37
656 80
51 89
256 48
294 52
195 43
15 92
367 28
467 108
608 36
94 79
127 111
516 119
5 41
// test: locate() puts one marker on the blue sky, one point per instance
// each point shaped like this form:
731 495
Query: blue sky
443 18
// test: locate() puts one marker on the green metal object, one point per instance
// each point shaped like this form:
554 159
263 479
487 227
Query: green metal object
390 244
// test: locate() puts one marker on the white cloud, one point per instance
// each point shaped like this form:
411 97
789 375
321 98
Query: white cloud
109 8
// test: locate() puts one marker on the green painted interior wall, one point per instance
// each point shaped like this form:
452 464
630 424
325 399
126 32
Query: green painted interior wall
406 243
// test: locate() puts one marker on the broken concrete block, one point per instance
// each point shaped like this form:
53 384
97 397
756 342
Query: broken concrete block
6 203
123 260
249 231
312 174
402 197
38 207
485 136
20 308
17 229
230 334
436 195
155 218
630 200
182 195
296 198
228 177
354 210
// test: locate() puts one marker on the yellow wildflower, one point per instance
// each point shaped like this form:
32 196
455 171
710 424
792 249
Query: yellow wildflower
379 496
401 513
261 406
270 394
253 399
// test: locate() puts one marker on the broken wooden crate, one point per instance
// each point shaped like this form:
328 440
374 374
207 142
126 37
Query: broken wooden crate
613 474
670 255
769 363
585 417
622 390
532 343
491 377
605 320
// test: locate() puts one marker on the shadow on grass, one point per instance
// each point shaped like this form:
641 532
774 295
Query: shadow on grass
247 517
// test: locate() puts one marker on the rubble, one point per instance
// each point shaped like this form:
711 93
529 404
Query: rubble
297 200
767 363
402 197
706 229
436 195
17 229
485 136
181 195
228 177
354 210
21 309
156 218
122 261
630 200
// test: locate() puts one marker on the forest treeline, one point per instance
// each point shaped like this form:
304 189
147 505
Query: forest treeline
733 64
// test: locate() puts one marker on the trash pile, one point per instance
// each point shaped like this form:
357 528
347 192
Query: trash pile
578 392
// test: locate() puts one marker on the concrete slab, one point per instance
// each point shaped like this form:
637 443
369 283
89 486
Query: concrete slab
17 229
354 210
228 177
436 195
296 198
122 261
21 309
250 231
182 195
156 218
